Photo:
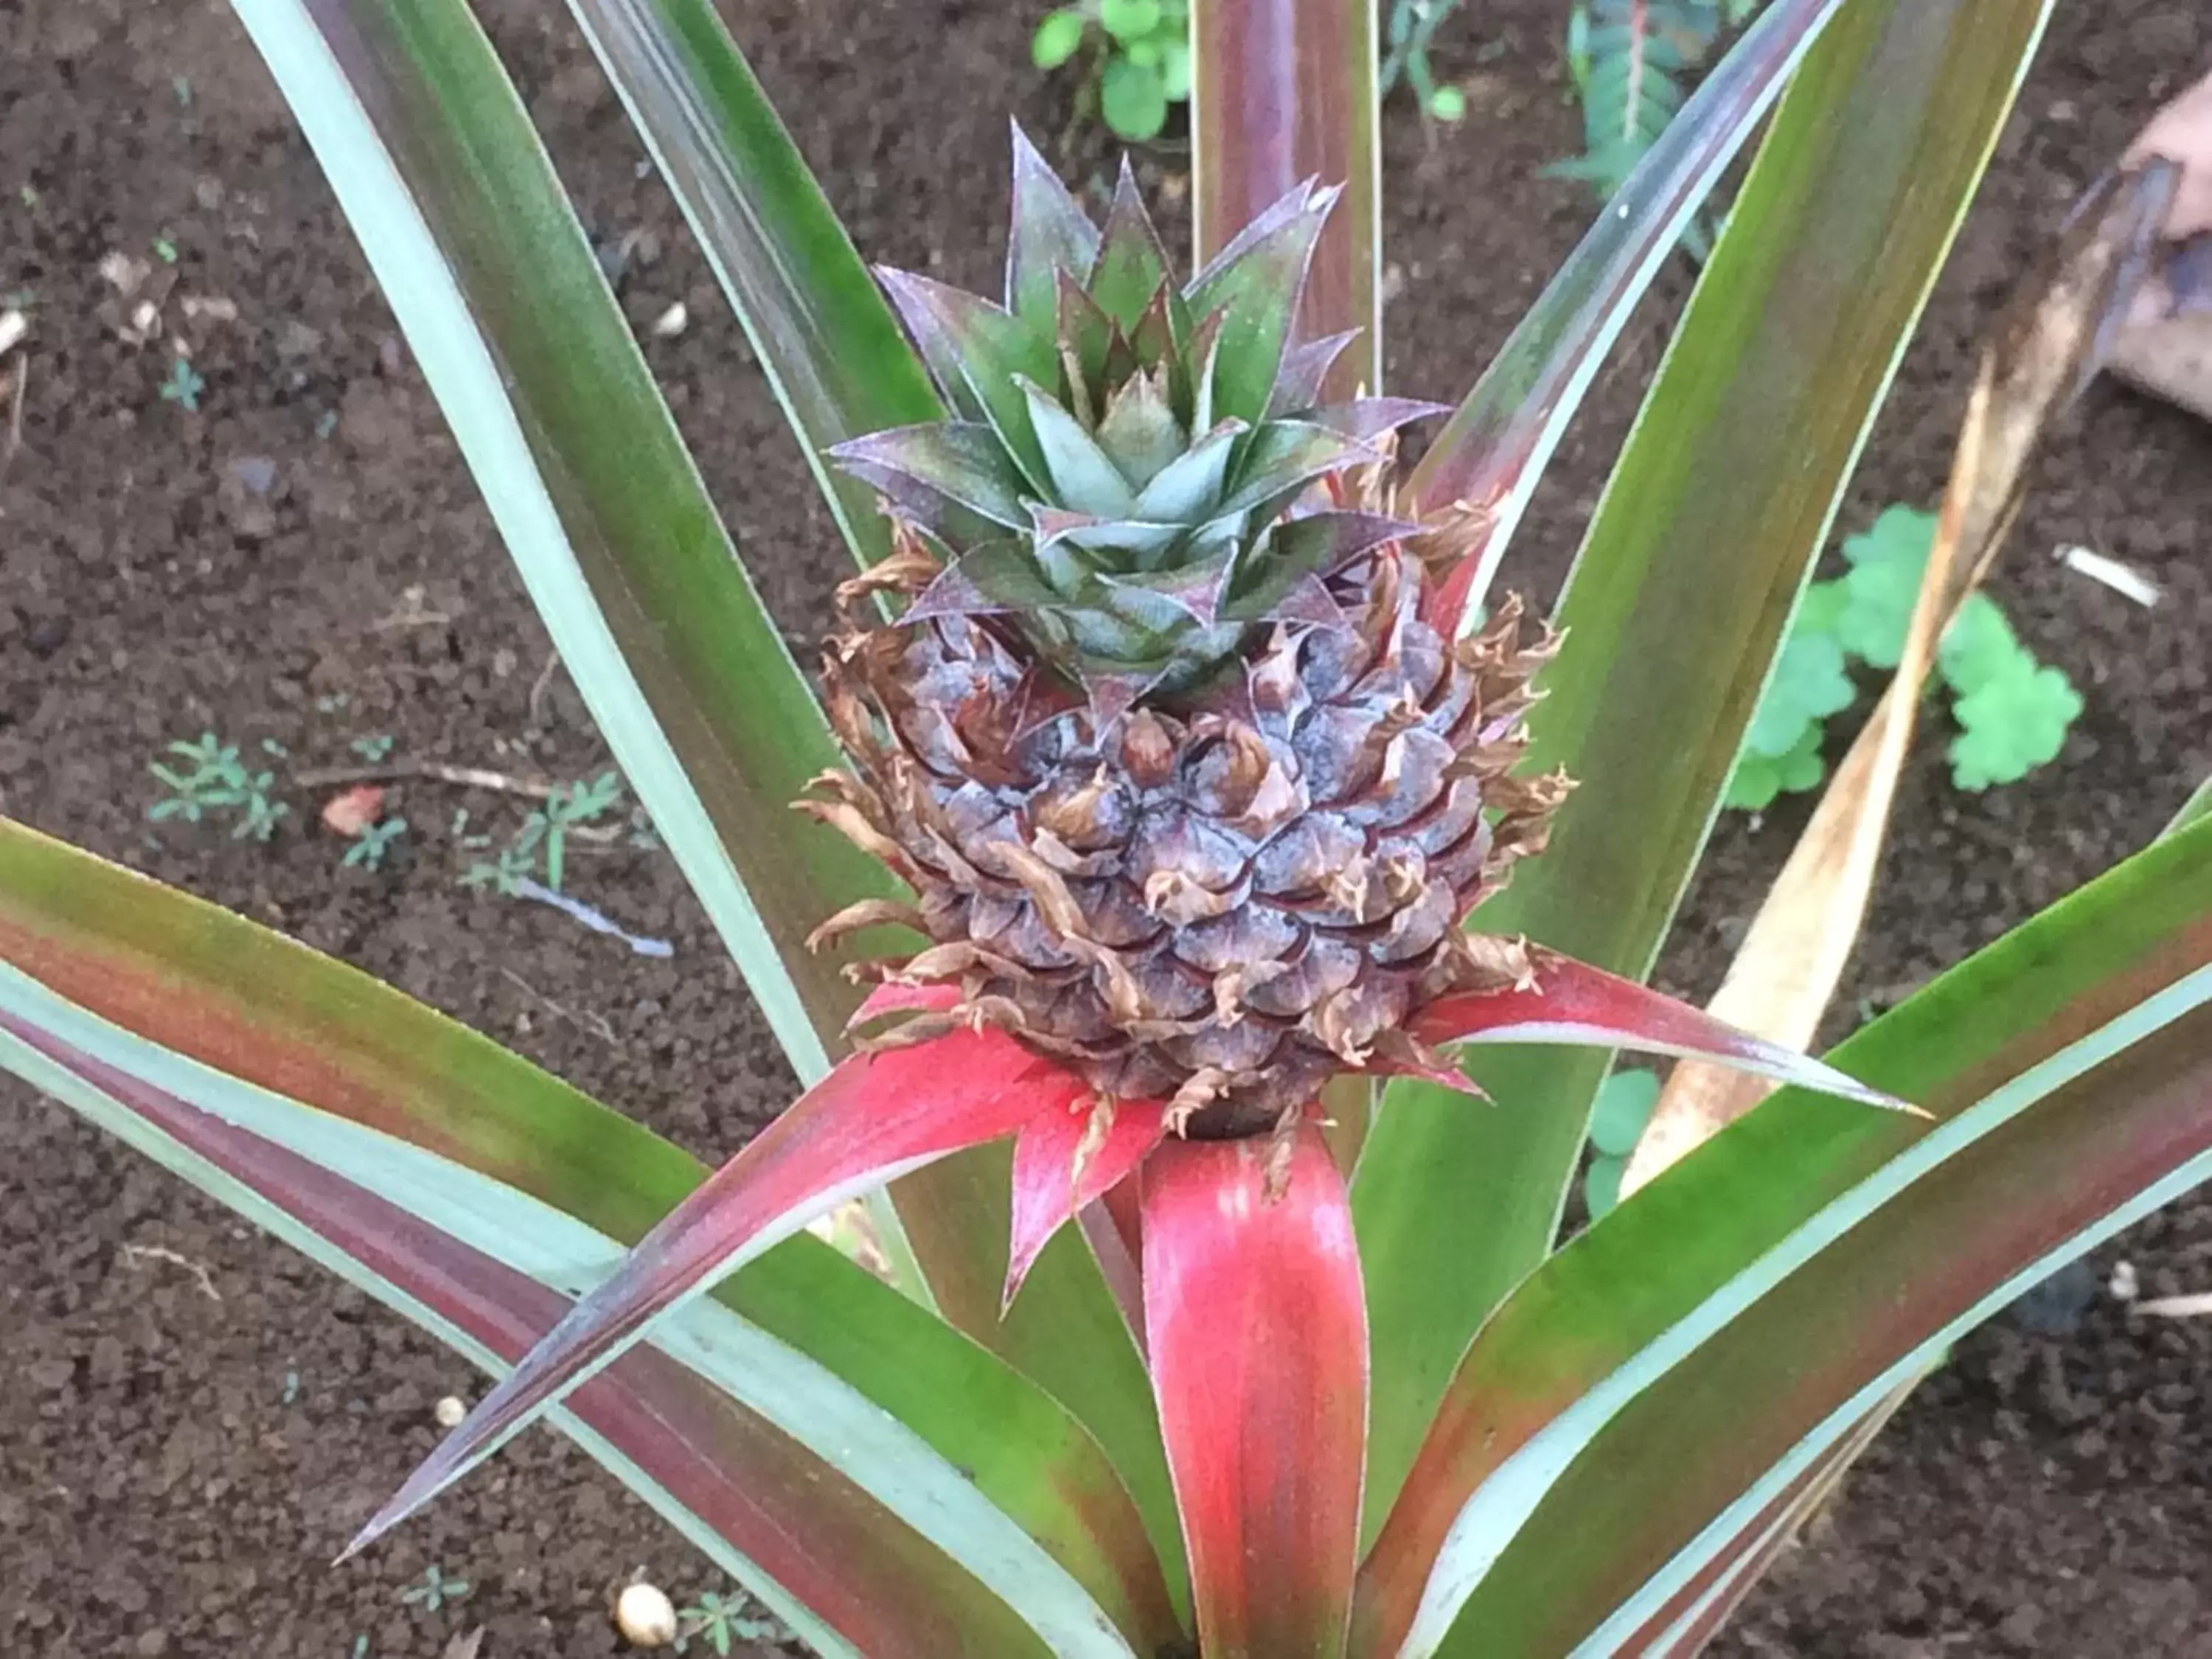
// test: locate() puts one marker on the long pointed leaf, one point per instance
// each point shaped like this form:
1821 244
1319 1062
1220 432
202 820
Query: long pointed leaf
351 1073
843 1570
470 234
872 1117
1574 1005
832 350
1494 450
1283 91
1994 1048
1701 544
1256 1325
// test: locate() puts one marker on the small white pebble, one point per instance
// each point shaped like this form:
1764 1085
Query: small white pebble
449 1411
2122 1286
646 1618
671 322
13 327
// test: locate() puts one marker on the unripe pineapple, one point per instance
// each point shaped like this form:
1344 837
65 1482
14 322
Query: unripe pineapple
1192 792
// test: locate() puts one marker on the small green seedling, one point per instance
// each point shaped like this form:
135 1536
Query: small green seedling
538 850
165 250
373 844
373 749
1143 49
721 1620
215 782
184 386
1624 1106
1412 25
2013 712
433 1591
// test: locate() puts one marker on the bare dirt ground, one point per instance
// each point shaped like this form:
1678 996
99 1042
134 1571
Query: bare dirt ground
191 1419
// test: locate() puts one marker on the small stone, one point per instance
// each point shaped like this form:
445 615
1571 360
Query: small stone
671 322
2123 1285
645 1617
449 1411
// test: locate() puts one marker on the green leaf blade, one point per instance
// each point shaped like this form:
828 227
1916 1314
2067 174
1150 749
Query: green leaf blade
834 354
1282 91
472 239
1634 1307
352 1074
471 236
1681 589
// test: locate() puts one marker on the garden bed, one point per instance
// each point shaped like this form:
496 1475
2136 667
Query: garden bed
192 1419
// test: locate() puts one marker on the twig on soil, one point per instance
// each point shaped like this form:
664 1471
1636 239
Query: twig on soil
411 612
595 1023
465 777
541 685
135 1253
2195 1306
14 440
462 777
591 919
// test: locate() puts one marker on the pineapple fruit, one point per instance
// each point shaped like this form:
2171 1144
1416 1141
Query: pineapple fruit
1192 784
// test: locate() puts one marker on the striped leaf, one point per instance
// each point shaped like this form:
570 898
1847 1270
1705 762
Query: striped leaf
302 1051
470 234
1802 1261
1700 546
1284 91
833 352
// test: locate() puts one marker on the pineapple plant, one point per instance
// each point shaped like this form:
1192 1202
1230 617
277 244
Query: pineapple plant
1168 770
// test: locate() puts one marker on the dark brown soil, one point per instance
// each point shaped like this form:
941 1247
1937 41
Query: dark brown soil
191 1419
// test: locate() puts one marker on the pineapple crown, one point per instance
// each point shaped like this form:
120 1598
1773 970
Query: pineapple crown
1127 471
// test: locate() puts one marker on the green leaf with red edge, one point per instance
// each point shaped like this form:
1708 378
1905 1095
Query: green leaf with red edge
1283 91
1801 1258
295 1048
826 1557
1687 1621
471 236
1246 284
1702 542
872 1117
1256 1326
472 239
1494 450
1051 239
832 351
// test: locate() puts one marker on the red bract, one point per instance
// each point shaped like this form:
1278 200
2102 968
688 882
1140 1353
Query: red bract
880 1115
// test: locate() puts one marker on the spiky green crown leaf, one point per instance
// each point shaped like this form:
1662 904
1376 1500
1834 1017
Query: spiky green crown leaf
1129 465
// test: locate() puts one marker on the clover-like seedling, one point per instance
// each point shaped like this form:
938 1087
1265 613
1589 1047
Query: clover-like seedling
1810 682
433 1591
2013 712
184 386
1624 1105
1143 64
